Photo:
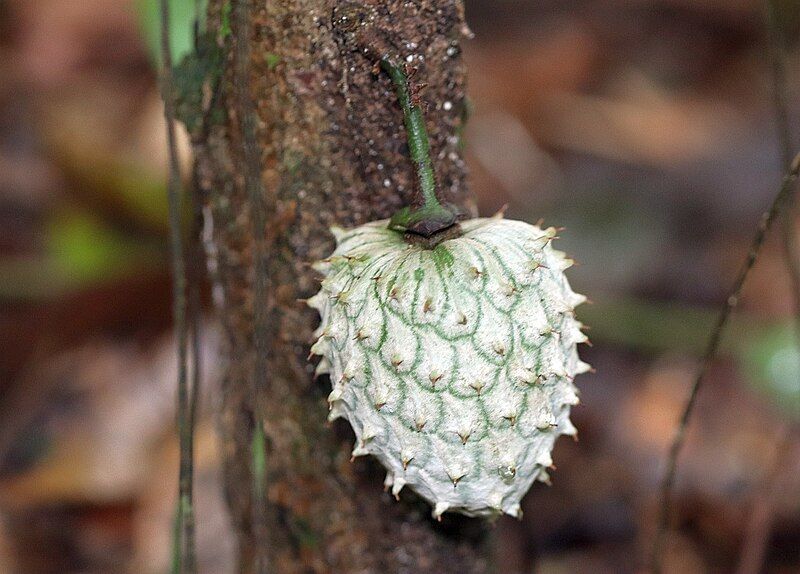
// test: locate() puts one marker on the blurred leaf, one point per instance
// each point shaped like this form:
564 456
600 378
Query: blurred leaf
651 327
122 188
648 327
83 248
767 351
181 26
140 193
81 252
772 360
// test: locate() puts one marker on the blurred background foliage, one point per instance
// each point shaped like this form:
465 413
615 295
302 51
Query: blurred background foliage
186 19
643 127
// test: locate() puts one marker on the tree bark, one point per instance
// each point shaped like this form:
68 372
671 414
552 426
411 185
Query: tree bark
333 152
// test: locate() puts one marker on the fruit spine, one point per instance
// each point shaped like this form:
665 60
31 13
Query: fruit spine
454 365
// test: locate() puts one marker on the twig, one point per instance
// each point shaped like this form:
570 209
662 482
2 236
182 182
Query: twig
185 431
258 221
668 481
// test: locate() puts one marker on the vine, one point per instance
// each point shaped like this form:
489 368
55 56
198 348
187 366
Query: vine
185 562
668 481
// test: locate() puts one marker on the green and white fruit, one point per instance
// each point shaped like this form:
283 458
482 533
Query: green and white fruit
454 365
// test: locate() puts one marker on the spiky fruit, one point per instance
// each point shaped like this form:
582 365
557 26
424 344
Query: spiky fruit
454 365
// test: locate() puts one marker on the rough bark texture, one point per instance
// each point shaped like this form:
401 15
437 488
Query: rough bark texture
333 152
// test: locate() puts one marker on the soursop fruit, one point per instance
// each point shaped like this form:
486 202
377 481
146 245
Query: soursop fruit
454 365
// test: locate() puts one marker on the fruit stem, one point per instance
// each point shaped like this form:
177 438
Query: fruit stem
431 217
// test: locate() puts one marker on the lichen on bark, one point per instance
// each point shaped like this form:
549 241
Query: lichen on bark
333 151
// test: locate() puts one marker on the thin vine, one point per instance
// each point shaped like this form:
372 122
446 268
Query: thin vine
185 550
781 206
194 304
668 482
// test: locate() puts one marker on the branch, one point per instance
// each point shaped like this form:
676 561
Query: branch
186 542
668 482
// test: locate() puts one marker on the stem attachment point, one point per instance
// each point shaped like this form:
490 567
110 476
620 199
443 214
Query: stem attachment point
431 216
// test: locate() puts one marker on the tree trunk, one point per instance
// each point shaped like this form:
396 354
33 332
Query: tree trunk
333 152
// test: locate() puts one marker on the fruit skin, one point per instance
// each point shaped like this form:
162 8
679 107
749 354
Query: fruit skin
454 365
